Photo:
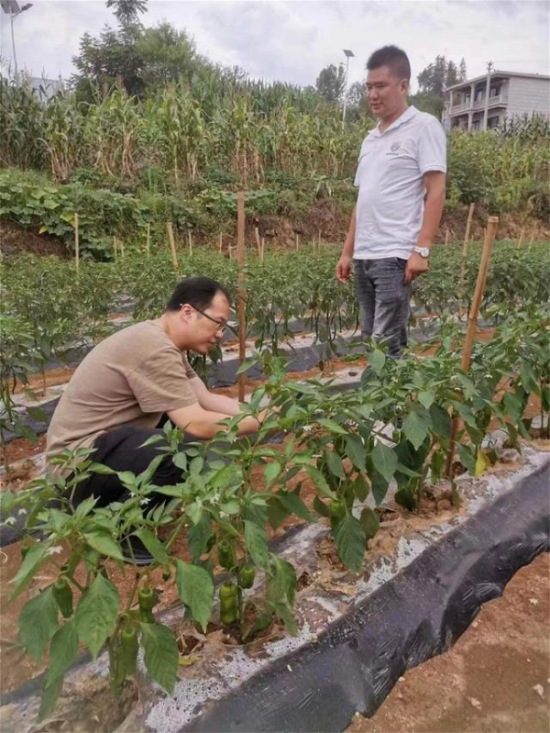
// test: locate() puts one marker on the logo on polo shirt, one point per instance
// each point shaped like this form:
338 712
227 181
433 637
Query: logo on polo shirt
394 150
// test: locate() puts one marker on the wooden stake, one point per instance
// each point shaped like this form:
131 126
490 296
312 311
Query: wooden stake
76 244
258 241
170 231
319 242
220 243
520 240
468 227
190 240
148 241
490 234
447 237
262 250
297 242
241 289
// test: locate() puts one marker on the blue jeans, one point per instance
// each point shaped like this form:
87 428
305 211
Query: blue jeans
383 302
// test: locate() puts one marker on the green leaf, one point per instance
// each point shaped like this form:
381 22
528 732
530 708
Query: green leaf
33 560
351 540
376 360
441 421
281 581
255 539
195 589
417 425
355 449
426 399
38 623
154 545
63 651
319 481
50 694
198 536
96 614
161 654
332 427
370 522
294 505
320 507
379 487
334 463
384 460
103 543
271 471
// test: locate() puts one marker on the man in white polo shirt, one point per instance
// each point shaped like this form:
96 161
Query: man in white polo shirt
401 180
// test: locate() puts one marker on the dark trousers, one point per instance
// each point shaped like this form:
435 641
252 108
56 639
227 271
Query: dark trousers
122 449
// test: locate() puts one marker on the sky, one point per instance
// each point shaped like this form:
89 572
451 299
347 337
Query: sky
291 41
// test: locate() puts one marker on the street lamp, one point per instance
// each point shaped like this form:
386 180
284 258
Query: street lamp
349 54
11 8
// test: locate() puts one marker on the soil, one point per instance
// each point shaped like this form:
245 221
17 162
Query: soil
495 679
15 239
326 220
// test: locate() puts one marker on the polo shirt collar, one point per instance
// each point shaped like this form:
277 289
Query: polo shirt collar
407 115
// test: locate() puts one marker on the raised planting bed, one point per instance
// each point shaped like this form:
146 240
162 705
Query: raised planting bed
425 577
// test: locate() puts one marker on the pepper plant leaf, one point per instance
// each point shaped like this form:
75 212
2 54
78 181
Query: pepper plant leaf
195 589
38 623
96 614
161 654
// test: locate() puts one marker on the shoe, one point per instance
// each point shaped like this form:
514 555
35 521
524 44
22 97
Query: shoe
134 552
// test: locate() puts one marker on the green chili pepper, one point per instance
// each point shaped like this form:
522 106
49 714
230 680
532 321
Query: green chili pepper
229 603
337 509
226 555
147 599
129 649
63 596
246 576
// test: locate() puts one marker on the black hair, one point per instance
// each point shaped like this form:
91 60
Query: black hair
392 57
196 291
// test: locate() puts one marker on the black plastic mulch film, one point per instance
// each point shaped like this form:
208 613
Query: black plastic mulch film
411 618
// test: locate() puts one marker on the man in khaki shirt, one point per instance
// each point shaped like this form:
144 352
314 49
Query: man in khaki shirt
129 382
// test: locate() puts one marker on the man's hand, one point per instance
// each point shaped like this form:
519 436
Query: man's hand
416 265
343 269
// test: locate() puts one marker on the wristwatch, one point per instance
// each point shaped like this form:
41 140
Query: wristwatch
422 251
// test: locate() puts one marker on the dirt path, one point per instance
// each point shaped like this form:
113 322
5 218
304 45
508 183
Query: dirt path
495 679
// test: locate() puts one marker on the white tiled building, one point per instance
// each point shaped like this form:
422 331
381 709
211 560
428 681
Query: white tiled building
510 95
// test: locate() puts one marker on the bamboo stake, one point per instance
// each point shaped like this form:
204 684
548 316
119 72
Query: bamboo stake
447 237
76 244
220 243
468 226
170 231
258 241
148 241
520 240
241 289
190 240
490 234
262 250
115 249
297 242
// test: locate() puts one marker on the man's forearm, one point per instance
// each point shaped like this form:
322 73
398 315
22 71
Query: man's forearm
433 210
220 403
349 244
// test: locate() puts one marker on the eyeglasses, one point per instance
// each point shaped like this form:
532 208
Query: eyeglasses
222 325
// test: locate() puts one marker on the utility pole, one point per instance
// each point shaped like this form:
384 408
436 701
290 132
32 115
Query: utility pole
349 54
487 92
11 8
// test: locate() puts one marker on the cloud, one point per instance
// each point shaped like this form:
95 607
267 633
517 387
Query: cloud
292 41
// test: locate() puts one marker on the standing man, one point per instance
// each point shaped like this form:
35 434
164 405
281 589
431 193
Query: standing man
401 180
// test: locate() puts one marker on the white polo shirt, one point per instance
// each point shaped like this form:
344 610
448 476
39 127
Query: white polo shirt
390 204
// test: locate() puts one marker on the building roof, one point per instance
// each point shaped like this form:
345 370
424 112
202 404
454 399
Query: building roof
496 73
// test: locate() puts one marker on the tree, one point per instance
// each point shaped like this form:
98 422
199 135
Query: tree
331 83
451 75
357 107
462 71
127 11
141 59
432 79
